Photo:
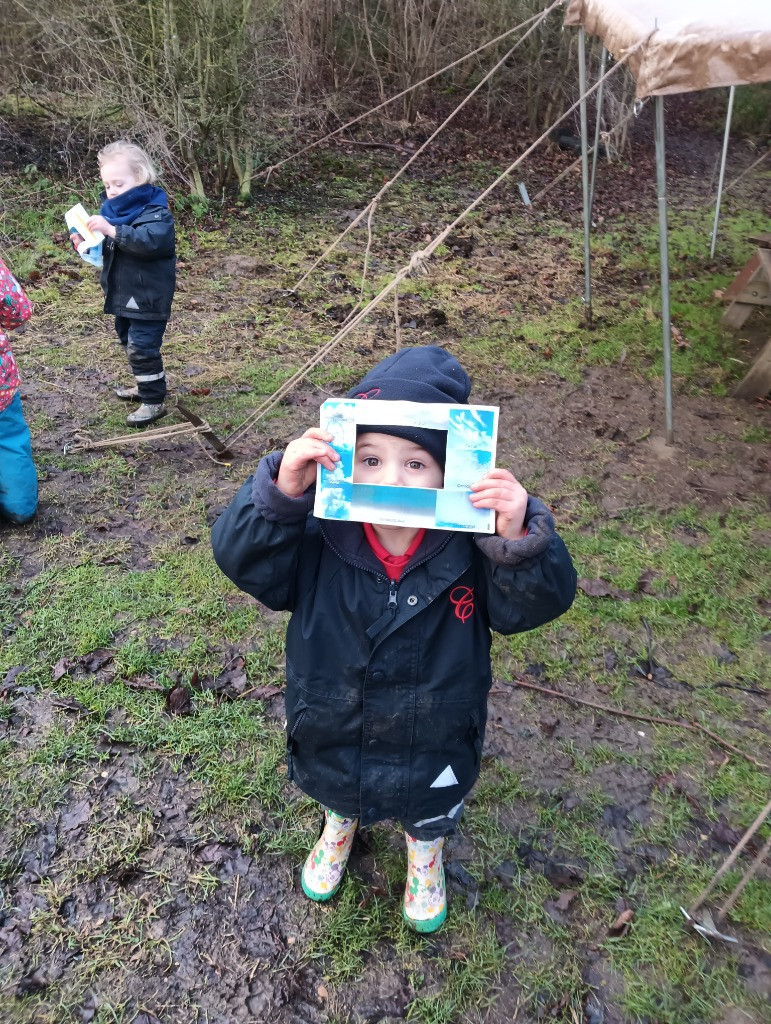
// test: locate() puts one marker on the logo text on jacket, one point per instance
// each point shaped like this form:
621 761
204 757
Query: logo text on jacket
463 600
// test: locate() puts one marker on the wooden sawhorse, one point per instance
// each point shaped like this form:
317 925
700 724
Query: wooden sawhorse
752 288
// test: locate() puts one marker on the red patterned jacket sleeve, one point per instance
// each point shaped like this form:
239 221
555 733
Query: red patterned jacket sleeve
15 308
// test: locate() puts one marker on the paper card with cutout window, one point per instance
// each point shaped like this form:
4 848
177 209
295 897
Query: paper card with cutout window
472 433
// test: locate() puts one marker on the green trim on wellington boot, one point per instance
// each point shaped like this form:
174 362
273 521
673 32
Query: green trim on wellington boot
424 907
318 897
432 924
325 865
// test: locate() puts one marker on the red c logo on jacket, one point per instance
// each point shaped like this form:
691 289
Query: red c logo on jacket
372 393
463 599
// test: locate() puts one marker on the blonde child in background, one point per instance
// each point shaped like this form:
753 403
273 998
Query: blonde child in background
139 270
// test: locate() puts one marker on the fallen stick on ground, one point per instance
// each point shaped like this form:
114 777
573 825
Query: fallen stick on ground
656 720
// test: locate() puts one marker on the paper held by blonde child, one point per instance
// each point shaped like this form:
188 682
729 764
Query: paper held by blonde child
77 221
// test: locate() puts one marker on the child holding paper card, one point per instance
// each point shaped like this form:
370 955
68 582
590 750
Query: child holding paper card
139 270
388 646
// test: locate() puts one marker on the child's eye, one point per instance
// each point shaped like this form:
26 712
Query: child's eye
414 464
371 462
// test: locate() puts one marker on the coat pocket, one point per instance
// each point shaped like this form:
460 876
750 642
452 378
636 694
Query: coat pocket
293 725
446 752
323 743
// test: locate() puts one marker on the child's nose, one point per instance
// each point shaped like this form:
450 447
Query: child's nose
392 474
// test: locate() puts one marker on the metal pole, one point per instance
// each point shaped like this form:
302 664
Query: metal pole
603 63
661 194
585 174
722 165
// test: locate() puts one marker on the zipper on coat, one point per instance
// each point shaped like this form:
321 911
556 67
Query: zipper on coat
388 615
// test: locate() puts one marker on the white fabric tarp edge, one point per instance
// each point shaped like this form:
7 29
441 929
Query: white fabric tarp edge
689 44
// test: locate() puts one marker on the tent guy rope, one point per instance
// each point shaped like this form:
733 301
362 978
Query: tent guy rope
392 181
392 99
416 264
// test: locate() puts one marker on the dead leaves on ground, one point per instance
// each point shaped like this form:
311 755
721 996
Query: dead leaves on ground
231 683
621 925
179 700
87 663
604 588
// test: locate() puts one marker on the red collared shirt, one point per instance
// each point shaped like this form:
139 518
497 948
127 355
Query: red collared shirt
393 565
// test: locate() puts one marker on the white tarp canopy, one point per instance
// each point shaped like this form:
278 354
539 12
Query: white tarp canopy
692 44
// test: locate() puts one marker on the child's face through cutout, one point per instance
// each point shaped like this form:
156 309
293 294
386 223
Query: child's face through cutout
383 459
118 177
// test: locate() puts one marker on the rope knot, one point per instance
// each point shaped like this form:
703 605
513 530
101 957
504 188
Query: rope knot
418 262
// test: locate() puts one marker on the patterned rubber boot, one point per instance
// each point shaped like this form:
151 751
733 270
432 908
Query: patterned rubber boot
323 870
146 414
425 895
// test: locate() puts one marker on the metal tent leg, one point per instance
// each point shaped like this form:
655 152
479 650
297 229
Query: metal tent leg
729 112
661 193
585 174
603 64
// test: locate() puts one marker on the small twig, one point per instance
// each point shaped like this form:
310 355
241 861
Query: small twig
735 686
373 145
263 692
654 719
137 684
67 391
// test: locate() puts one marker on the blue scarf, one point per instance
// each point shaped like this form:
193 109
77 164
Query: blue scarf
123 209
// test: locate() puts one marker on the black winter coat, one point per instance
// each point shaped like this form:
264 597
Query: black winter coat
386 684
139 267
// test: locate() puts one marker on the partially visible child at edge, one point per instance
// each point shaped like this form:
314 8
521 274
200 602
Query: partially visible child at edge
18 478
388 645
138 271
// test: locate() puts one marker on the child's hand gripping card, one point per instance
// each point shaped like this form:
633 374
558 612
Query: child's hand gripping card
88 244
472 432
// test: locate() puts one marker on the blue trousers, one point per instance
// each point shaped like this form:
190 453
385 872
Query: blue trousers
142 339
18 478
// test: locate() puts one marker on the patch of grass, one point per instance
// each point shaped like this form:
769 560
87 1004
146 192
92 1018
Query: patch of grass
469 982
757 435
670 975
576 833
351 927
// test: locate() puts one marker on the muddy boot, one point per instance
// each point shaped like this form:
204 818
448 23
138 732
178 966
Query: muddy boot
146 414
128 394
425 895
324 867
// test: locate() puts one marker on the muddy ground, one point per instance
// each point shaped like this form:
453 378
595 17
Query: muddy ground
199 918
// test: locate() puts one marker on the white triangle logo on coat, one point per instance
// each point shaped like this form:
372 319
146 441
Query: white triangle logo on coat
132 303
445 778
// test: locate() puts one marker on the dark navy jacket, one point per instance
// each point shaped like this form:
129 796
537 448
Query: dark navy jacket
140 266
386 684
